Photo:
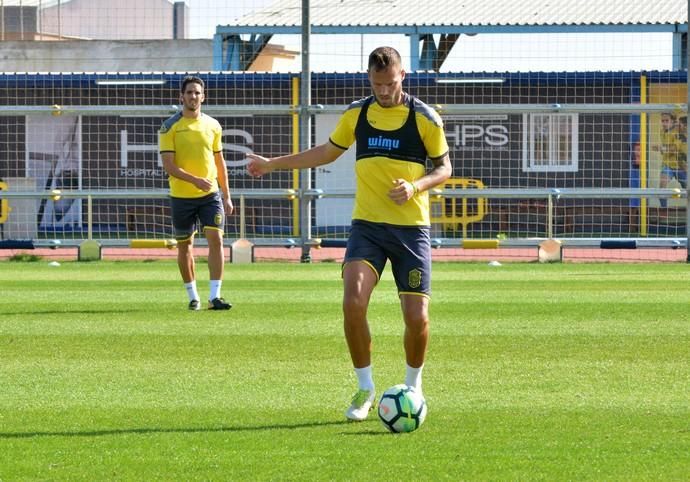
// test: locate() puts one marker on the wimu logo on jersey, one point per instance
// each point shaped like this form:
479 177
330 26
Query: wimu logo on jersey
383 143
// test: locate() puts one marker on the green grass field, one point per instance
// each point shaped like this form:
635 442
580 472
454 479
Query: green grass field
535 372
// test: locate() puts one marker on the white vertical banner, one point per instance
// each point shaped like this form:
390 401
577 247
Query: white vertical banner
54 160
336 176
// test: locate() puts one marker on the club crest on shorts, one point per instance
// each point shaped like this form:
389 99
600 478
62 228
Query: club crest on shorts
218 219
414 278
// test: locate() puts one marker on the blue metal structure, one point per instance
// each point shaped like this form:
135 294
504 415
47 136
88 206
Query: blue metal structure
236 47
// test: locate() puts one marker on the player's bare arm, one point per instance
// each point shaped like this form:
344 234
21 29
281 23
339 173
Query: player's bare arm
402 190
173 170
316 156
223 182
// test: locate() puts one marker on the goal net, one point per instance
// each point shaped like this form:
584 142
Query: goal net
575 137
599 163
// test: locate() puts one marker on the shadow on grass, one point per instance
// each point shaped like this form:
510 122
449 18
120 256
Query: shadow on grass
62 312
147 431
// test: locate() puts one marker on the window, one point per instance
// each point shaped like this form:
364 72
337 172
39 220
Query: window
549 142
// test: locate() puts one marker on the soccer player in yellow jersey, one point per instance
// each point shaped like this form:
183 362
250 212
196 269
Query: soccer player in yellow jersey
190 145
673 153
395 134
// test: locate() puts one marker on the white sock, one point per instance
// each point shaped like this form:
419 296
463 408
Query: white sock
413 377
191 290
364 378
215 289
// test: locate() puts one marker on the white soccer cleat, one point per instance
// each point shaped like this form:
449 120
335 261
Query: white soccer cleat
362 403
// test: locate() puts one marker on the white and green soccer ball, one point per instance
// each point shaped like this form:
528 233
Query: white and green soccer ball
402 409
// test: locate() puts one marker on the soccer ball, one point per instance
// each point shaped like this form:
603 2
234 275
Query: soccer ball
402 409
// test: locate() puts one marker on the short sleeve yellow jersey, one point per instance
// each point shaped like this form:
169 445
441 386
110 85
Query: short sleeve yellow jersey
194 143
392 143
671 148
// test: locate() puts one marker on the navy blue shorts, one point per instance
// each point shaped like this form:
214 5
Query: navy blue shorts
407 247
186 212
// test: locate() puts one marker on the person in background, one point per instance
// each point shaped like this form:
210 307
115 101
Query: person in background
673 154
190 145
634 207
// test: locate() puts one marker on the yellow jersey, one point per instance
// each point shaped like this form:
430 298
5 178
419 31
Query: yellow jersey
392 143
194 143
672 148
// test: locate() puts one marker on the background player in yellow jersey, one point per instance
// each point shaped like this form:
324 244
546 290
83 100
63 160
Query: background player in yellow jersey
190 145
673 149
396 134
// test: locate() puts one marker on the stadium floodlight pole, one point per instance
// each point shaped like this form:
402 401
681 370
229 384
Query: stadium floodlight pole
305 135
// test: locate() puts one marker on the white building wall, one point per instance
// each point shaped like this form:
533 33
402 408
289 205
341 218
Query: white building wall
107 56
109 19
